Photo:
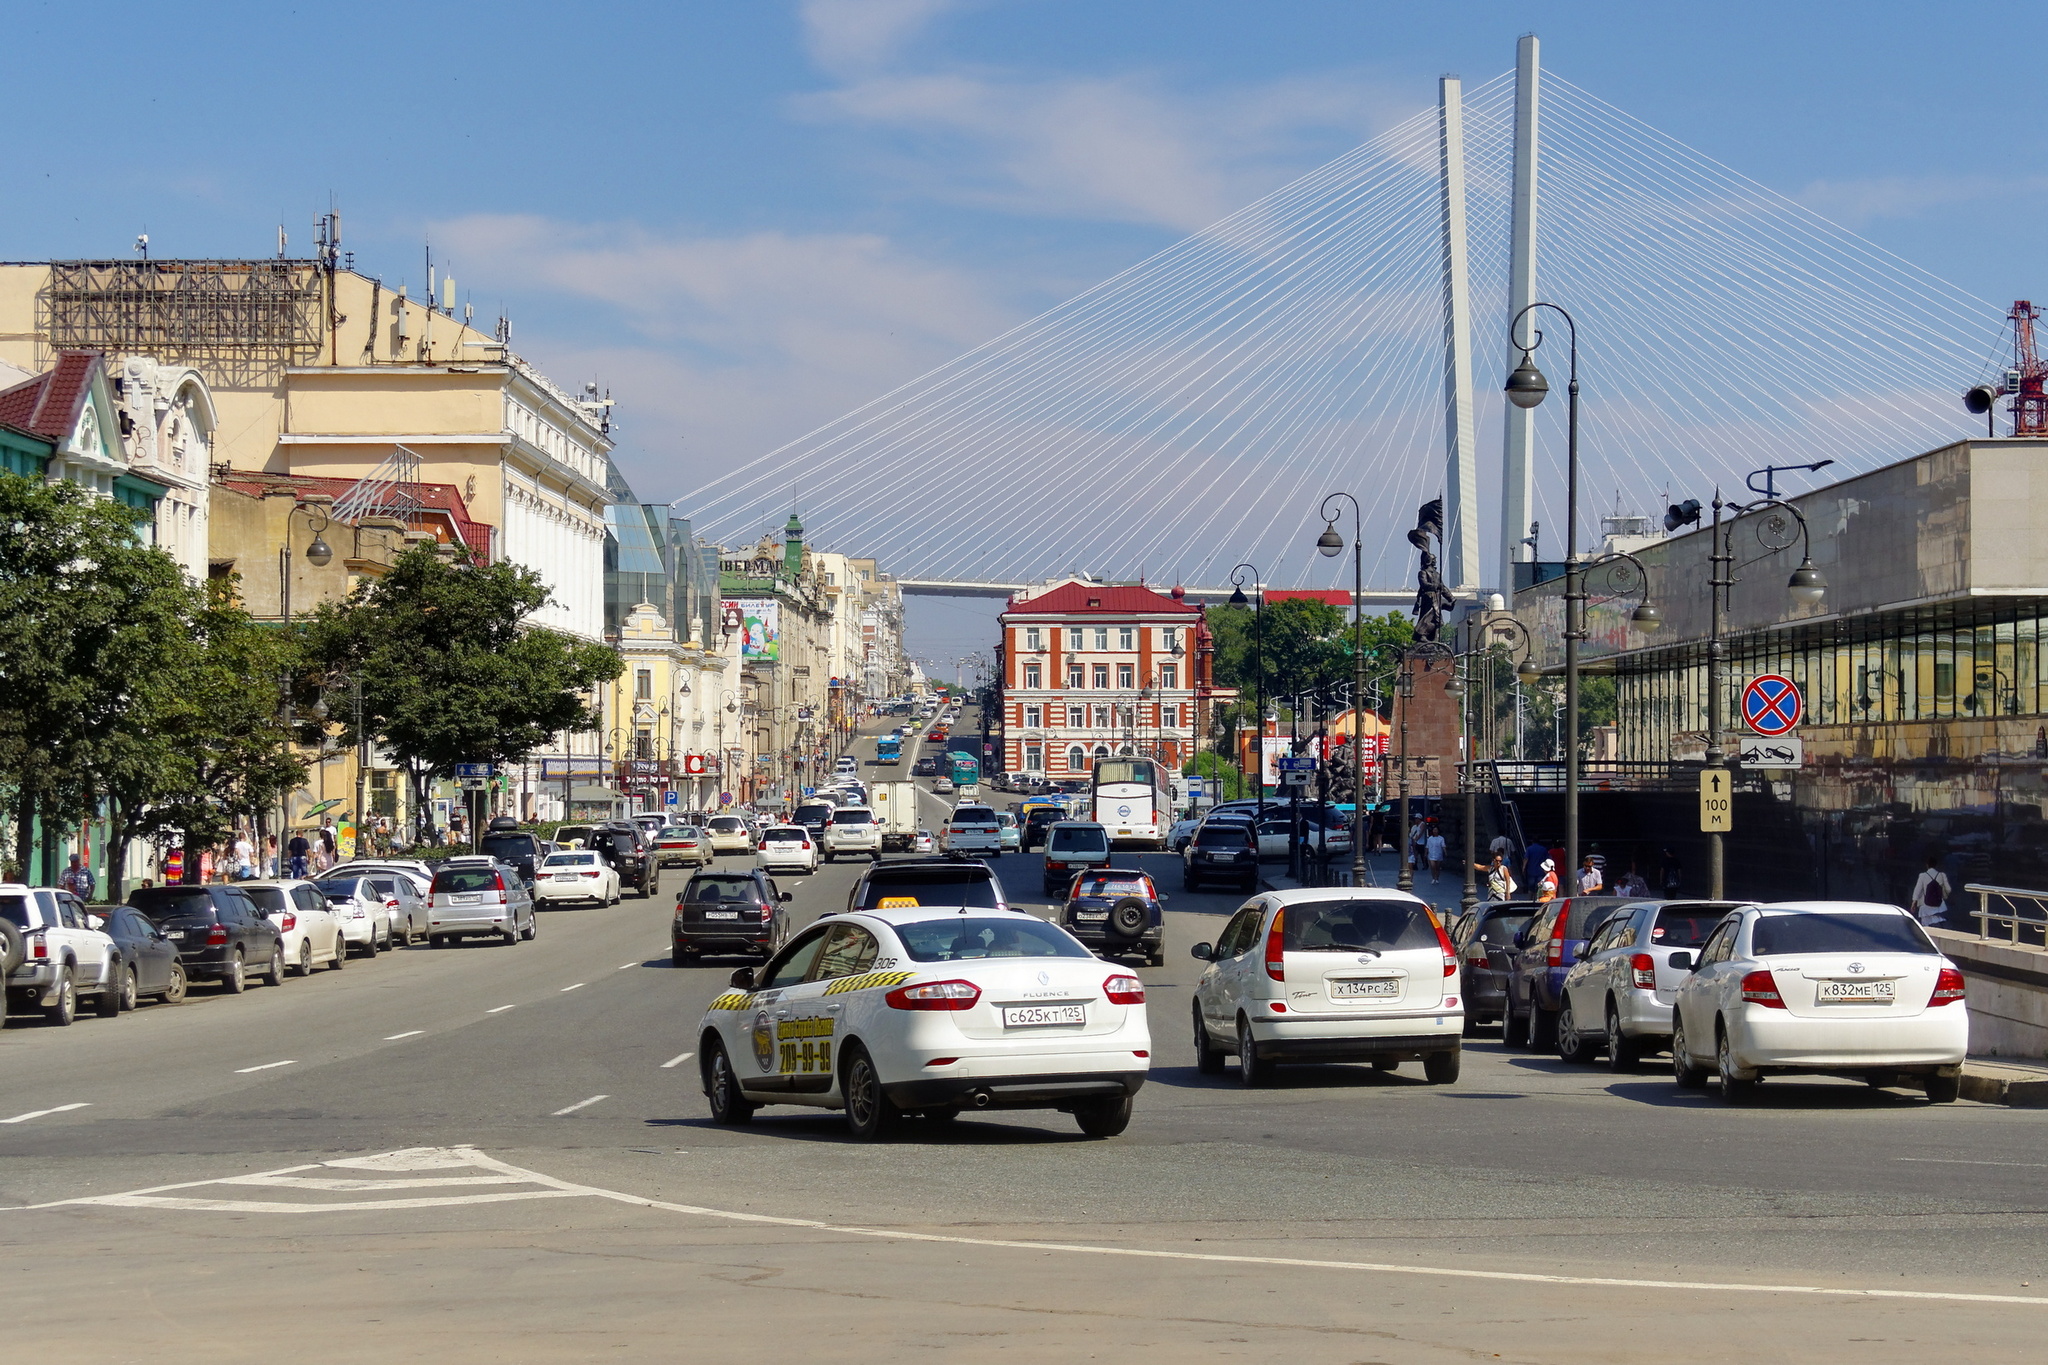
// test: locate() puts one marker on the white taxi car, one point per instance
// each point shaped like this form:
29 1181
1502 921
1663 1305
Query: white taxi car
576 878
1330 975
932 1011
1823 987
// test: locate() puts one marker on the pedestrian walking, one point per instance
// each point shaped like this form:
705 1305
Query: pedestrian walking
1502 847
245 857
270 867
1668 872
1546 884
1931 894
1500 883
77 879
299 849
1433 849
1591 880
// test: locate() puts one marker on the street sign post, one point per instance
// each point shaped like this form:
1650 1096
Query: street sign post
671 798
1716 804
1771 705
474 770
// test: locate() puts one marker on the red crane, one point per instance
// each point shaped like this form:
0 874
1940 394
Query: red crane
2027 381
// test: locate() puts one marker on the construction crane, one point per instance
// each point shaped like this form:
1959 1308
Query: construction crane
2026 380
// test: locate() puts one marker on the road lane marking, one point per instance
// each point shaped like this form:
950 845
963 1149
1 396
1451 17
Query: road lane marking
245 1070
676 1060
409 1033
501 1009
577 987
1958 1161
624 965
65 1109
580 1104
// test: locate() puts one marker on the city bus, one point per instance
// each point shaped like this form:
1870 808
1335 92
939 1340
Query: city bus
1133 799
889 749
965 770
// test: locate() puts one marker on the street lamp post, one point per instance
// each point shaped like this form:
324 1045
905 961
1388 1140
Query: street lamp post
1330 544
1481 645
1238 599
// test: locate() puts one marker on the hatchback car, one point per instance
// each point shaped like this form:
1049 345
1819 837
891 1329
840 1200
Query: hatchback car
1221 851
480 897
786 848
358 906
1485 942
312 935
1330 975
1836 988
728 912
1009 832
991 1010
729 834
1627 977
220 933
923 842
1545 949
1118 909
577 877
944 786
682 846
1073 846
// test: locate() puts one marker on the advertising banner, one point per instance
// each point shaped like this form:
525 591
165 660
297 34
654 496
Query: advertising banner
760 627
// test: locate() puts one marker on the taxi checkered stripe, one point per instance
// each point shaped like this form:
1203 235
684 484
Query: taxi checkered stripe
732 1000
867 982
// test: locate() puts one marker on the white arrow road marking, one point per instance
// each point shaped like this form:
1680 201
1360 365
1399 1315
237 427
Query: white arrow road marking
245 1070
580 1104
676 1060
60 1109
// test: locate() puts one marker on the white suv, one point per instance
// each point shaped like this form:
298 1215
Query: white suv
853 830
973 829
63 956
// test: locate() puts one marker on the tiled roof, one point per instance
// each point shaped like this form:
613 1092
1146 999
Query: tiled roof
1080 599
444 498
47 406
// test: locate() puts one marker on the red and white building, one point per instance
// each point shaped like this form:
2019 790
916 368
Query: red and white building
1094 669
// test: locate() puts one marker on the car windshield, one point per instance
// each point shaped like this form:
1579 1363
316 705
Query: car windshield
1084 840
723 889
1683 926
465 879
853 817
971 940
1222 836
1118 884
1351 926
267 898
571 860
1836 932
933 883
339 888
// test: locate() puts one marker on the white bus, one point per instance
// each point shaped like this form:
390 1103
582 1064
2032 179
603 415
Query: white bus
1133 799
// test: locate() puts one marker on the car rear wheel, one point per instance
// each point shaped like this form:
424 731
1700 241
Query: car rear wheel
1208 1057
1734 1088
131 989
234 980
870 1115
1944 1089
1689 1074
108 1003
1253 1068
1441 1068
722 1088
340 958
1622 1051
1572 1045
1542 1029
273 974
174 993
304 966
1104 1118
63 1006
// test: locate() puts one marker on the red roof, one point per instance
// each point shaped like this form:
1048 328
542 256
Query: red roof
47 406
1336 597
442 498
1082 599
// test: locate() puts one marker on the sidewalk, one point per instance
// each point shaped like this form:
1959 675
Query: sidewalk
2006 1080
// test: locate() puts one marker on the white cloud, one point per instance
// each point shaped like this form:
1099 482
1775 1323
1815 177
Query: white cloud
1117 148
859 35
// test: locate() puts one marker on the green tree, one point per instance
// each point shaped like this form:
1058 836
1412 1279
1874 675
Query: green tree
450 667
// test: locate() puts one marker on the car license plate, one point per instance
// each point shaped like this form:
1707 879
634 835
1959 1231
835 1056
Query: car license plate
721 914
1224 857
1381 989
175 935
1043 1016
1856 992
466 897
1091 914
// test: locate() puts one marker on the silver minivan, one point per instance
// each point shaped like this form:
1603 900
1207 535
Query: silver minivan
1072 846
480 897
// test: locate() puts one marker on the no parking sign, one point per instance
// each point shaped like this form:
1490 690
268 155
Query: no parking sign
1771 704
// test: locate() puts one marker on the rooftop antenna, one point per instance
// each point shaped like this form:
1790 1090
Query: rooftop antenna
142 245
280 241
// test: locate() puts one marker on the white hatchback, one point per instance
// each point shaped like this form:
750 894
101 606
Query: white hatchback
308 930
1838 988
786 848
1330 975
729 834
575 878
931 1010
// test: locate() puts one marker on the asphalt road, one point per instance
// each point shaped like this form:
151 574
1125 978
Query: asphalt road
494 1153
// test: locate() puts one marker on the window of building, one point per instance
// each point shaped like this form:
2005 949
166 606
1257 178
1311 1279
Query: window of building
643 684
1102 637
1169 717
1031 637
1169 639
1169 675
1102 675
1032 676
1077 676
643 743
1124 675
1034 717
1077 716
1077 759
1102 717
1124 638
1034 758
1127 716
1102 751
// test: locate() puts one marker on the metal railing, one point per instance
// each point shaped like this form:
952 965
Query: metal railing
2020 909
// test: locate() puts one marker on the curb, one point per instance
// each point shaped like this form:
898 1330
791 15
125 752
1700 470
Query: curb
1998 1090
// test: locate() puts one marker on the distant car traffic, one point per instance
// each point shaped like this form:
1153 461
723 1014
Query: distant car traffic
311 934
682 846
729 834
972 828
854 832
1220 851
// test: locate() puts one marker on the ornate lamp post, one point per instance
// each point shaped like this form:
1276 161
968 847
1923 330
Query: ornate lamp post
1238 599
1330 544
1494 623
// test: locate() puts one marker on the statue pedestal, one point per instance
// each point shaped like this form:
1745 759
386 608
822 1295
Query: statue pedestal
1433 731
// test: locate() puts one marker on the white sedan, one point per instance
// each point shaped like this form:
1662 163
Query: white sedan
575 878
786 848
930 1011
1822 987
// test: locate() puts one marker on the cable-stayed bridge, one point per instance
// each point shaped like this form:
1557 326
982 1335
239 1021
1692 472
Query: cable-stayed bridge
1350 331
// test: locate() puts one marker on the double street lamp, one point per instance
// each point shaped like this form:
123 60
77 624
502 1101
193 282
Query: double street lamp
1330 544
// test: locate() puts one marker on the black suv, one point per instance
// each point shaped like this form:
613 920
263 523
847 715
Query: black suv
728 912
505 841
949 881
1037 821
1221 851
220 933
813 816
630 851
1118 909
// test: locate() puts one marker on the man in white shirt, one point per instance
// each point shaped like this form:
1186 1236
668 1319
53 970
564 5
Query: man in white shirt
1591 882
1931 894
1433 849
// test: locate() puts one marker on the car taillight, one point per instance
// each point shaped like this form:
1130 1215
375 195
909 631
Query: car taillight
1276 948
216 936
42 949
498 882
1642 971
764 846
1124 990
1948 987
1761 988
935 995
1556 958
289 923
391 904
1050 863
590 874
1443 942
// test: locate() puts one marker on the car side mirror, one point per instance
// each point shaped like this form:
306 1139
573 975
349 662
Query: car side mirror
1203 952
786 896
1683 961
743 977
1580 953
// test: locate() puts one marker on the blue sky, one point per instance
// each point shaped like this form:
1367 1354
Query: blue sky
747 217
